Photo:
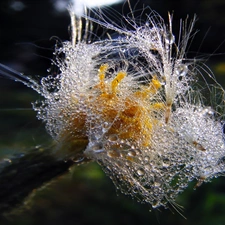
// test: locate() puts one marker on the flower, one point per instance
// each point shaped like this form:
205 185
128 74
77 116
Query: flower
131 103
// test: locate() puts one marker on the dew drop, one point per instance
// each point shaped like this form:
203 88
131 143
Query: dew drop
97 147
98 135
78 159
7 160
165 164
208 111
147 167
181 70
113 137
56 96
131 153
92 126
105 127
146 158
138 152
157 184
122 141
113 154
169 38
140 172
155 205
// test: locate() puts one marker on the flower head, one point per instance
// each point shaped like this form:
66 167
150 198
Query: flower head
130 103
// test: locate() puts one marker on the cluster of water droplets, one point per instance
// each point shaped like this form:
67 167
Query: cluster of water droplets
185 141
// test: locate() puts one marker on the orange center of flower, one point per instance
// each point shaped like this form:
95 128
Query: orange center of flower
130 117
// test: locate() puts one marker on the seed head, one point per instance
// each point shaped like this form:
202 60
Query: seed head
132 104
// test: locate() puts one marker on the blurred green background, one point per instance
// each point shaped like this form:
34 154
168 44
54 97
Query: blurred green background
84 195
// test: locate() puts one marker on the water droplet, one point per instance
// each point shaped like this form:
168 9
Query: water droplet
105 127
98 135
138 152
181 70
208 111
146 158
56 96
169 38
140 172
113 137
113 154
7 160
92 126
157 184
155 205
147 167
131 153
97 147
122 141
78 159
165 164
128 163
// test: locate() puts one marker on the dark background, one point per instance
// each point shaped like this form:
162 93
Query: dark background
85 195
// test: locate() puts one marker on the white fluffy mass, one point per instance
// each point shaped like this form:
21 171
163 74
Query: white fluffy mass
133 104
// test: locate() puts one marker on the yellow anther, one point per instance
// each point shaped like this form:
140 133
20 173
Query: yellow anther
159 106
101 74
117 80
155 82
154 85
151 89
